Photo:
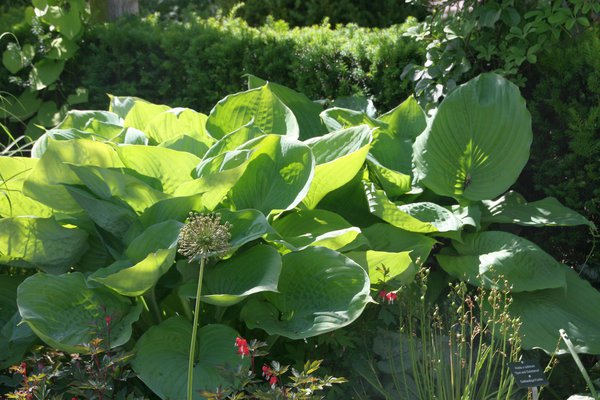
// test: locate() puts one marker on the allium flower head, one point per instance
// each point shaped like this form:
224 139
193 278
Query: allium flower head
203 236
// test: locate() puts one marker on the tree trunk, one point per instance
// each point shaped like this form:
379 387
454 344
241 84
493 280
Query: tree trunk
110 10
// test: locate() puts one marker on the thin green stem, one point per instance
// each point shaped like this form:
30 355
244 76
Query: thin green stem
194 333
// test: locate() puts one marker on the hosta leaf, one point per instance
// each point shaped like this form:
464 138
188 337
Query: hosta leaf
394 183
392 145
412 217
399 267
40 243
246 226
488 258
388 238
111 217
512 208
478 141
278 176
178 121
161 359
320 290
135 280
270 114
217 175
235 139
573 308
162 235
13 171
66 314
339 156
172 168
137 113
305 228
341 118
45 182
175 208
112 183
186 143
256 270
305 110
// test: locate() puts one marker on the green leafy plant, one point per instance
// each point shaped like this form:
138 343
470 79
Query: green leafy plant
317 202
465 38
35 67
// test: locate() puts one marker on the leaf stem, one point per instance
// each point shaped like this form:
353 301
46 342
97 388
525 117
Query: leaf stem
194 333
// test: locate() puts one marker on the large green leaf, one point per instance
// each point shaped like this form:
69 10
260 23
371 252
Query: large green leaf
161 359
137 113
278 176
573 308
488 258
305 110
114 184
245 226
478 141
413 217
175 208
262 105
40 243
135 280
66 314
339 156
45 72
388 238
392 145
235 139
217 175
13 172
178 121
45 182
320 291
304 228
512 208
394 183
162 235
172 168
340 118
231 281
111 217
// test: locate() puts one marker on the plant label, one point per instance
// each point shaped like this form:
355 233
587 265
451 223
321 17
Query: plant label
527 374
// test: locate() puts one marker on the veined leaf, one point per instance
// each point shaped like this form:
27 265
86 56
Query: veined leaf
341 118
278 176
478 141
488 258
339 156
42 243
178 121
161 358
512 208
256 270
13 172
270 114
46 181
400 268
172 168
61 309
305 228
388 238
320 290
305 110
572 308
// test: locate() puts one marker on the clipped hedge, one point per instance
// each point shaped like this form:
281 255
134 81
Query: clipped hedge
195 63
563 92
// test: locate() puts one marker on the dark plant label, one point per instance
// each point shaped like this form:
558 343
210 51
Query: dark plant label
527 374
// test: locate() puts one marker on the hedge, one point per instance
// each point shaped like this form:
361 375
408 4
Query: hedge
194 64
563 96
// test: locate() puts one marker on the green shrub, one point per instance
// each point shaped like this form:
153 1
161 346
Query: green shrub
373 13
194 64
564 99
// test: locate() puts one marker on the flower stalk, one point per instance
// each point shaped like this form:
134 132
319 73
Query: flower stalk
202 236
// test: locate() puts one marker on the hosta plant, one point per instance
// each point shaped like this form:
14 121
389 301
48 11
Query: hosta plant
317 202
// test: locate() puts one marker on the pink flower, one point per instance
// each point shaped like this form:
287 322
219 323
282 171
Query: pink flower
242 346
390 297
108 320
273 380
